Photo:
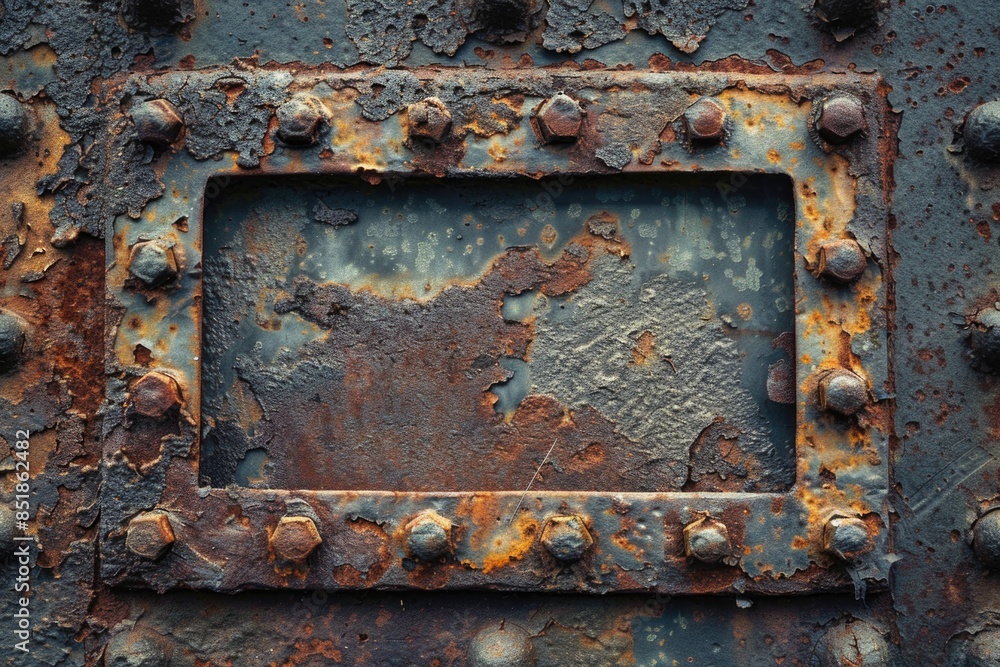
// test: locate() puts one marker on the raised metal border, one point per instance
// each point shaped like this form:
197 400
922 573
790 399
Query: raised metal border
220 537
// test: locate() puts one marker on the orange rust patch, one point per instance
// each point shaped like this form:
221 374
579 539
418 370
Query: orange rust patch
644 352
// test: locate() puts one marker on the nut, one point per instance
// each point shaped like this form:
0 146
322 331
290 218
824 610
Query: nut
842 392
707 540
840 118
705 121
154 395
984 336
506 646
847 538
294 539
986 539
428 536
559 119
429 120
300 119
982 131
566 537
136 649
150 535
13 125
12 340
855 643
842 261
157 122
153 262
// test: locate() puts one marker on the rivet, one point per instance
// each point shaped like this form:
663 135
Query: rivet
986 539
559 119
840 118
851 642
300 119
294 539
429 120
155 395
841 262
847 538
506 646
707 540
153 262
842 392
566 537
428 536
150 535
157 122
984 336
137 649
13 125
705 121
982 131
13 335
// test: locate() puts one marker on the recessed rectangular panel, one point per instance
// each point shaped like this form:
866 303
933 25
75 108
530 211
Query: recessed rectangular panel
453 334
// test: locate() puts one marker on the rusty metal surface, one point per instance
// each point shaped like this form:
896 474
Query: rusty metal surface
108 300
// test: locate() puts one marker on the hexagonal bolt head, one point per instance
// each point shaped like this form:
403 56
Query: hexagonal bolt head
428 536
13 336
559 119
566 537
150 535
841 262
847 538
13 125
153 262
294 539
982 131
429 120
707 540
984 336
840 118
986 539
301 119
154 395
162 14
508 646
984 649
157 122
137 649
842 392
855 643
705 121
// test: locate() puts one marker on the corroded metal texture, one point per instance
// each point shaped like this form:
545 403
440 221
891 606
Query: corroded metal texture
742 341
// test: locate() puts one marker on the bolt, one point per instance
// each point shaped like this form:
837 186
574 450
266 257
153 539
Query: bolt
566 537
845 17
707 540
157 122
705 121
429 120
153 262
12 340
136 649
162 14
155 394
843 392
982 131
986 539
300 119
984 336
840 118
847 537
13 125
428 536
559 119
984 649
842 261
294 539
6 529
150 535
506 646
855 643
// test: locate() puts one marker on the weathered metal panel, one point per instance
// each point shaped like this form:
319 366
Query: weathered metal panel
741 341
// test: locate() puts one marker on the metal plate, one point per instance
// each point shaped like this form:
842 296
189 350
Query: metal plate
233 538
